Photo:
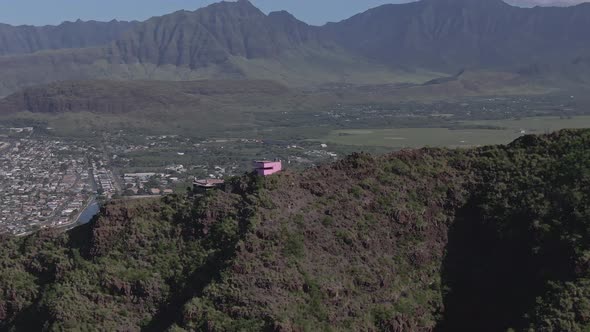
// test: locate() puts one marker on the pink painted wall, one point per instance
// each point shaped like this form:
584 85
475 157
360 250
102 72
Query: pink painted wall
266 168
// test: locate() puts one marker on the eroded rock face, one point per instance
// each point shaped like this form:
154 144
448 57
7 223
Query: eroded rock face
463 33
213 34
79 34
221 40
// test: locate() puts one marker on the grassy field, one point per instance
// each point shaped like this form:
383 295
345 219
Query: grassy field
466 135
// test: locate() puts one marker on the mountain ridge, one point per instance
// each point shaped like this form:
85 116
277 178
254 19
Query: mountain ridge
237 40
226 28
463 33
25 39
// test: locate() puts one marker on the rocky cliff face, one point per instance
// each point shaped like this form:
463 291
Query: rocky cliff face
79 34
487 239
465 33
212 35
220 40
181 46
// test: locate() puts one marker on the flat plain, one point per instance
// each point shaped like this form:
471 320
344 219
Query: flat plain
465 134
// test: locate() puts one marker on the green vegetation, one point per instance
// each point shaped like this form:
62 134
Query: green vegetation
318 66
408 241
256 108
460 134
247 43
483 239
133 263
530 237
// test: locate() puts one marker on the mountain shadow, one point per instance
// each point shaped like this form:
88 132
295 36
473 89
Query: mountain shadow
518 235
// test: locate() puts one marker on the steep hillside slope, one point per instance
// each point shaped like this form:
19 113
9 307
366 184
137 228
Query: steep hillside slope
409 241
45 67
227 40
212 35
79 34
193 108
465 33
116 97
411 42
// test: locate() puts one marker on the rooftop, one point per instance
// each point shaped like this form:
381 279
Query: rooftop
208 182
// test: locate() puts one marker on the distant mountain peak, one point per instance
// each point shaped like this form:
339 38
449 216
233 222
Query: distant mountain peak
240 8
220 40
242 4
212 35
283 14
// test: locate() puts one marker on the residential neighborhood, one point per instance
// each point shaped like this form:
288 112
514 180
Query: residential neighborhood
43 183
47 181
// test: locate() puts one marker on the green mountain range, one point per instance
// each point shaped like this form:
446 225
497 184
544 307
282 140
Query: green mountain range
413 42
489 239
79 34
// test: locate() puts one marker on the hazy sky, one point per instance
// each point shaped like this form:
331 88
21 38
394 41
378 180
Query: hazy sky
40 12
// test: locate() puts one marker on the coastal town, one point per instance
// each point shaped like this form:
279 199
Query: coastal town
48 179
47 182
43 183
